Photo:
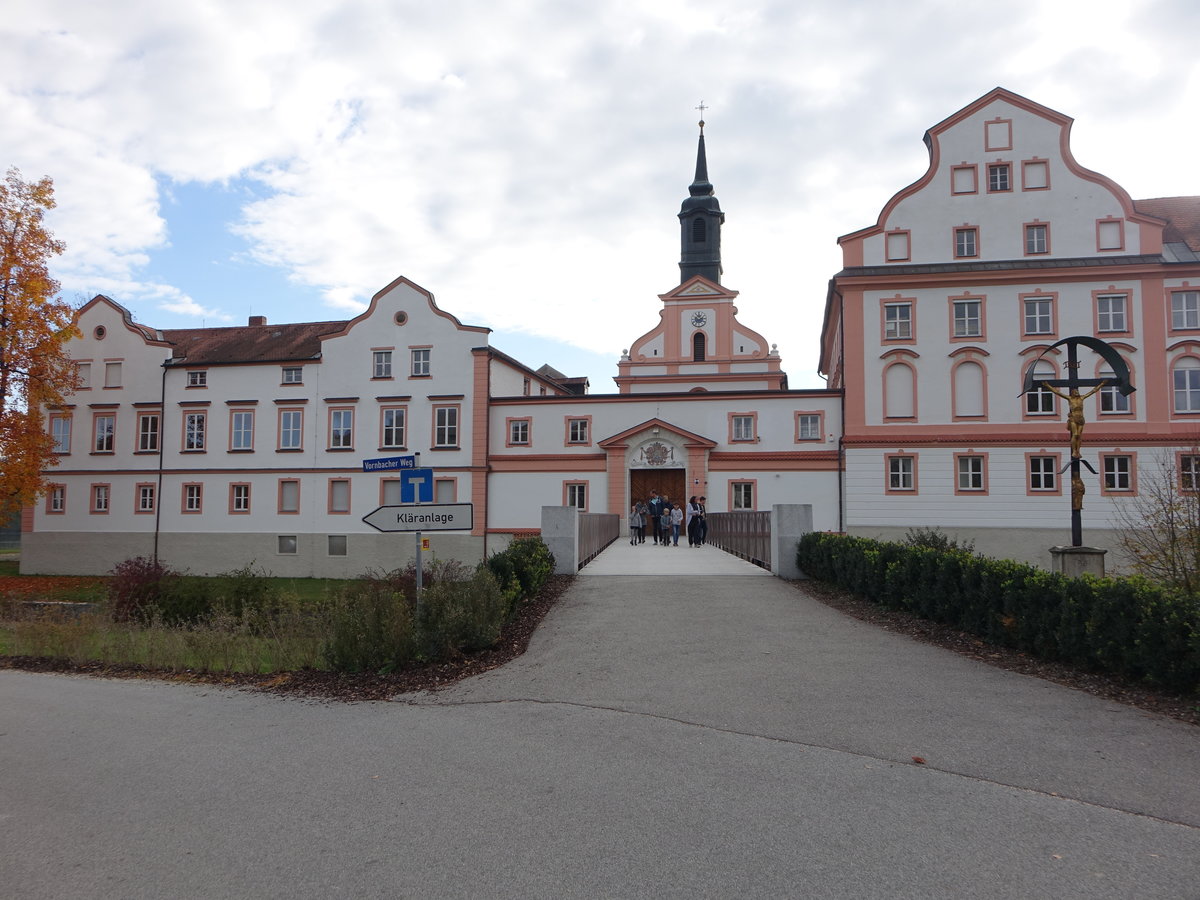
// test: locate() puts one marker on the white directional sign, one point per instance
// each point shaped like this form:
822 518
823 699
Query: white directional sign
430 517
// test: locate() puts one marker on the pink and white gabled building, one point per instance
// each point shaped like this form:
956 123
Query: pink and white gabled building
1004 246
217 447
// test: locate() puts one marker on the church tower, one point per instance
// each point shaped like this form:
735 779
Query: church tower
700 220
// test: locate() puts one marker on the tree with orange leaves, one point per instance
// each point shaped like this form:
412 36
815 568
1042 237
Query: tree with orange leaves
35 325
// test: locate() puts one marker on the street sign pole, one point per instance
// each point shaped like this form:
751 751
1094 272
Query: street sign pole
420 565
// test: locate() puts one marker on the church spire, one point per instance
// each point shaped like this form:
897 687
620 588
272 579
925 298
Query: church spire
700 220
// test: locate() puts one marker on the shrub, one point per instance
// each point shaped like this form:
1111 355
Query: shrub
463 610
370 628
1126 626
522 568
136 585
936 539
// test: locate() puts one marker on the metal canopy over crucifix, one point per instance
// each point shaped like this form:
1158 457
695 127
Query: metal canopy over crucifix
1075 420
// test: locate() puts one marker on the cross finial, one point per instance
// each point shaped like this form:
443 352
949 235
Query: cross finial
702 108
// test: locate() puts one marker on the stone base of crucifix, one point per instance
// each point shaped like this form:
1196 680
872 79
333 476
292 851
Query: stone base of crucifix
1076 561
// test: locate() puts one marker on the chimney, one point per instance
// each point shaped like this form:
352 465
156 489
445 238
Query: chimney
258 320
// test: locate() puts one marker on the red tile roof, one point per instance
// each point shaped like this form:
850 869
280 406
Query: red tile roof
248 343
1182 214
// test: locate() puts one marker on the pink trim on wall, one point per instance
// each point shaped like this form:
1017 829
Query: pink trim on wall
382 412
1132 398
279 411
508 423
481 387
1179 455
974 170
329 426
997 134
458 429
1056 458
975 492
567 442
235 411
820 414
887 473
329 497
753 482
753 416
1133 468
975 339
1108 220
587 494
1027 416
1025 166
453 482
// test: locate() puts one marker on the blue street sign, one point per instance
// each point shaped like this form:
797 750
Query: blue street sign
389 463
416 486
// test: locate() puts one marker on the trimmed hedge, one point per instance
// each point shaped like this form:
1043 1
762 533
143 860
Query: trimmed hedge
1126 626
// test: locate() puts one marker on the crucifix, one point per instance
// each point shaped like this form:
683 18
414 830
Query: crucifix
702 108
1075 419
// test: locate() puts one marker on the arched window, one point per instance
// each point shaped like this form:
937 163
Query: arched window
968 389
1186 381
698 347
899 392
1040 402
699 230
1111 400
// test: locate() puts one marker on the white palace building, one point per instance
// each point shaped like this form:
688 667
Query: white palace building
217 447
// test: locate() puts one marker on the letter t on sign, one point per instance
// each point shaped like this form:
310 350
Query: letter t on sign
416 485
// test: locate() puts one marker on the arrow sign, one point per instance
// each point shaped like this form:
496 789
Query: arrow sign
436 517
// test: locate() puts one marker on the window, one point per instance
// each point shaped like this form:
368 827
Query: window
392 429
897 246
1185 309
1035 175
341 429
339 495
148 433
291 429
1043 474
197 378
526 384
897 321
1189 472
1039 315
1186 378
1118 472
999 177
145 498
518 431
902 475
289 495
698 230
192 498
964 180
968 318
699 347
56 500
445 490
970 473
968 390
389 492
445 426
1040 401
1037 239
287 544
742 494
112 374
293 375
239 498
60 433
100 497
420 363
1110 234
742 428
899 391
808 427
966 242
84 372
105 428
577 431
336 545
381 364
1111 399
1110 312
193 431
241 429
576 494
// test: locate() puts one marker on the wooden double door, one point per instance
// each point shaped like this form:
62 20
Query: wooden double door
670 483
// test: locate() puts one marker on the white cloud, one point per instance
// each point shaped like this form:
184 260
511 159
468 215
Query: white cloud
524 161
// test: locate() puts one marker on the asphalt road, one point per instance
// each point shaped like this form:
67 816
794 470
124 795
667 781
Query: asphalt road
691 736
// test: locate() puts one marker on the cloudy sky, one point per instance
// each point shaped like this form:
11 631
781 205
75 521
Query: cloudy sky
524 160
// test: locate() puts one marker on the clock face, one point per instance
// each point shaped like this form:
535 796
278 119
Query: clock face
699 319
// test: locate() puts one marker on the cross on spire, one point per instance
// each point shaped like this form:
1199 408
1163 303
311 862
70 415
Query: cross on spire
702 108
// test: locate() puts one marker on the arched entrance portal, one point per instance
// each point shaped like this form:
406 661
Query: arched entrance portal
668 482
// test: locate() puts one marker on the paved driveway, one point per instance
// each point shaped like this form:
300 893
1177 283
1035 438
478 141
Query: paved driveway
666 735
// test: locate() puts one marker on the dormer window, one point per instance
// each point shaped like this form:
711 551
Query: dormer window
699 230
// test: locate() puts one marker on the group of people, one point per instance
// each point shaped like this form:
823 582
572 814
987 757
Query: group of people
665 520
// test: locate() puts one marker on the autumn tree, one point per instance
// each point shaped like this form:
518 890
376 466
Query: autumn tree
1159 529
35 326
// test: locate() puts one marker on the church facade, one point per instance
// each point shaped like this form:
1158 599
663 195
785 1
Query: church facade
214 448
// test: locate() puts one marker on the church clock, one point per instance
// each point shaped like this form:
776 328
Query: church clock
699 320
